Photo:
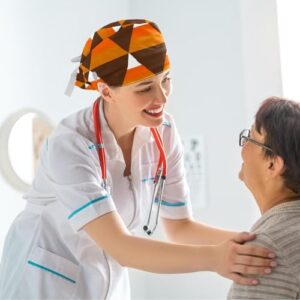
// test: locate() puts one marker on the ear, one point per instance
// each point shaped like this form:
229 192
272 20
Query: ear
275 166
105 92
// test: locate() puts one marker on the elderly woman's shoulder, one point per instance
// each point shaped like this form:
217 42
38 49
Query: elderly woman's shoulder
280 228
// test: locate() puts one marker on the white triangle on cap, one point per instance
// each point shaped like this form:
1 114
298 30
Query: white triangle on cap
138 25
92 76
132 62
116 28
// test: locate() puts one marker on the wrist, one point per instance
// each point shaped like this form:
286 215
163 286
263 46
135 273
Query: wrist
208 258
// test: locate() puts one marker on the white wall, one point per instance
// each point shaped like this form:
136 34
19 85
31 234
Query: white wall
225 61
288 27
261 58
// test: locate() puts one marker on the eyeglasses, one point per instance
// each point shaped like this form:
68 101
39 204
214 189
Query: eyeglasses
245 137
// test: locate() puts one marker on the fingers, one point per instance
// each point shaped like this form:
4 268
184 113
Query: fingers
244 260
255 251
239 279
244 237
255 261
249 270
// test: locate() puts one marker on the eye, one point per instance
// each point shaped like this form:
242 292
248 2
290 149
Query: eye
148 89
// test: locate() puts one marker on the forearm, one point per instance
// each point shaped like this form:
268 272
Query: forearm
110 234
229 259
192 232
161 257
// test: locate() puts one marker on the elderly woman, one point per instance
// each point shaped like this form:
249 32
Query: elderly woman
271 171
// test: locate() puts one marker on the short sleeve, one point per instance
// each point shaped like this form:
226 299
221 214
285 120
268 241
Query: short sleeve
280 284
74 174
176 197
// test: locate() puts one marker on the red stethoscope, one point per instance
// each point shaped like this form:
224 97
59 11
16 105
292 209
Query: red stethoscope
161 170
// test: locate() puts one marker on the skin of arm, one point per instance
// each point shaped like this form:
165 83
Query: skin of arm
188 231
110 233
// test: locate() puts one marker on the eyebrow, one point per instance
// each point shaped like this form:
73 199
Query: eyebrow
144 83
149 81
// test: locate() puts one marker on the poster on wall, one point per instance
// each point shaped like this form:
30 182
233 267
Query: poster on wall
195 169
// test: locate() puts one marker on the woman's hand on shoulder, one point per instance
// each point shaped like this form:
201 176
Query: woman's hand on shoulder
236 260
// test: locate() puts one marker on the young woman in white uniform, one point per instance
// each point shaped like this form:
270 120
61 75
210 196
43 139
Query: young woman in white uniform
94 185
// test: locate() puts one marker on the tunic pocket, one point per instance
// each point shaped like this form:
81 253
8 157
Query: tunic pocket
50 276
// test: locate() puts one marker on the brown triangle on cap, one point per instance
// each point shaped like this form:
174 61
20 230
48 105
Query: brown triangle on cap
86 61
80 77
112 24
97 39
123 37
135 21
155 26
113 72
153 58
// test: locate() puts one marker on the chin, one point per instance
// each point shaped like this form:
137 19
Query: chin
157 123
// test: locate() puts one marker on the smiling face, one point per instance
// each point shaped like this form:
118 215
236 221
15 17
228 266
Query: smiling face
142 103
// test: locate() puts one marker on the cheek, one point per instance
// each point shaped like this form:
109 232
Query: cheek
134 103
246 162
168 89
141 102
244 153
252 168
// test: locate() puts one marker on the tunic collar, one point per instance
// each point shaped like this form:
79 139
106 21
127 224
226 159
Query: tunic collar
113 151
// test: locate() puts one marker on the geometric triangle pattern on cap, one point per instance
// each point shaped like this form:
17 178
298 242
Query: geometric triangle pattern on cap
116 28
113 24
123 37
122 52
86 61
132 62
97 39
113 72
152 58
155 26
134 21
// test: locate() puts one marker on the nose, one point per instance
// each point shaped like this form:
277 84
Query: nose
161 96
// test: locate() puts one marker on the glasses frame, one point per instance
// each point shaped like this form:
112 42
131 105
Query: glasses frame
245 135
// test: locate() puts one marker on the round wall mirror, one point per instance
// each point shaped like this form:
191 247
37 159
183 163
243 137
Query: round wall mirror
21 137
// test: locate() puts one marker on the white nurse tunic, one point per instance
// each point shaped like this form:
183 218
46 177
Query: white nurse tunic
47 255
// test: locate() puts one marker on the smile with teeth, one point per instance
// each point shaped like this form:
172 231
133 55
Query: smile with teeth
154 112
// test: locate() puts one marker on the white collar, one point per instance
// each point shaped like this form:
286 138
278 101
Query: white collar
113 151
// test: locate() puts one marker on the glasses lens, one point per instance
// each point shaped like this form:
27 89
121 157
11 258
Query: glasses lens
244 135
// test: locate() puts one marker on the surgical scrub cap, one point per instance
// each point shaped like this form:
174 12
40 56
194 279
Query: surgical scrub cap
122 53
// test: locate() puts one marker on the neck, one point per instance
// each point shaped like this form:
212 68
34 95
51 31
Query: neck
273 196
122 131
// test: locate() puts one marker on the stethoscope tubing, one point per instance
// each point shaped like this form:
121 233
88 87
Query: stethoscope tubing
100 144
160 174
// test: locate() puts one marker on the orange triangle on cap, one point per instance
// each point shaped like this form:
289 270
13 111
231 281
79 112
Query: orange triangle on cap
87 47
105 52
84 69
106 32
137 74
167 63
144 37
